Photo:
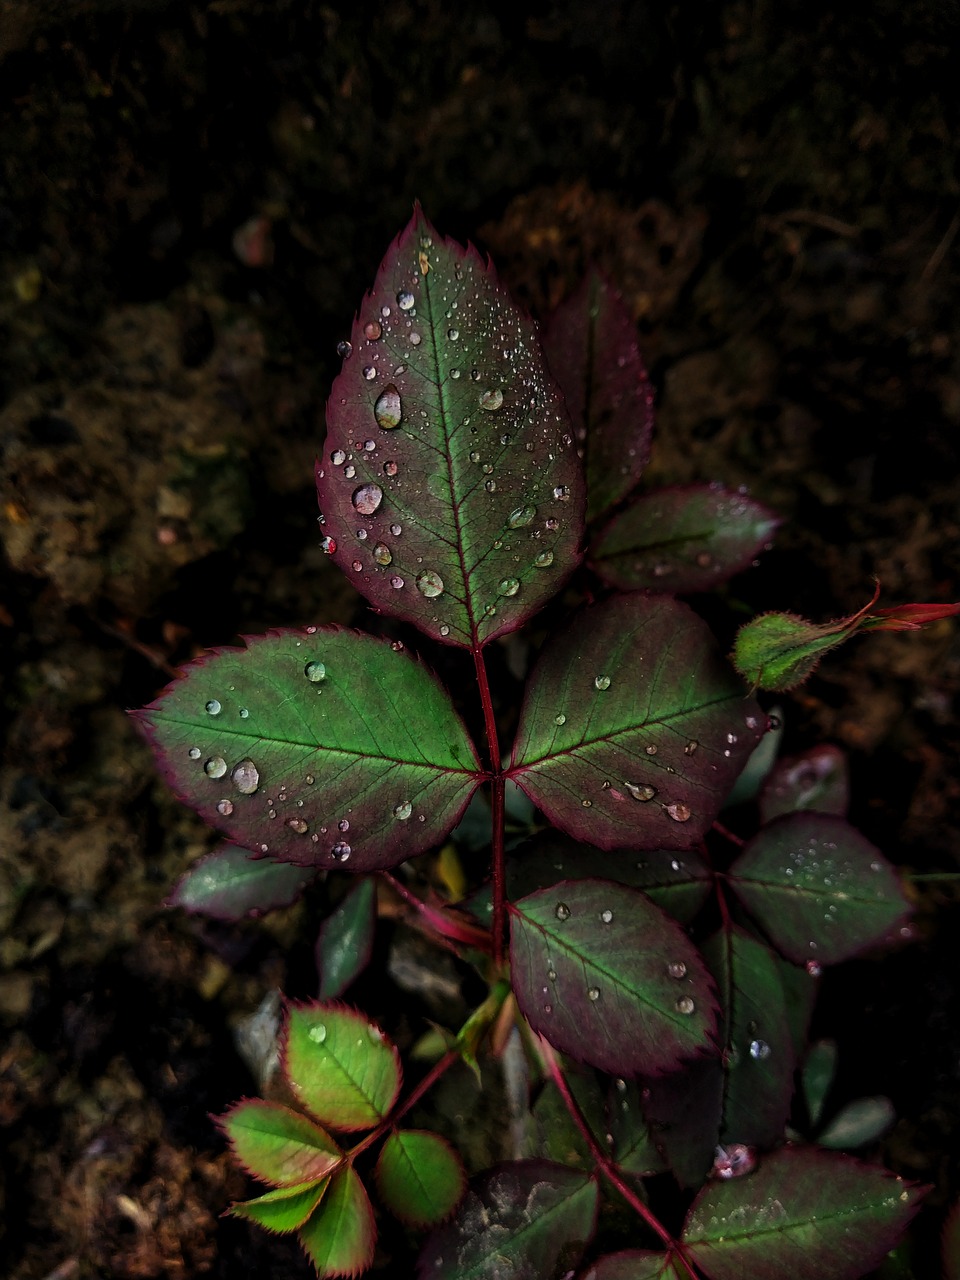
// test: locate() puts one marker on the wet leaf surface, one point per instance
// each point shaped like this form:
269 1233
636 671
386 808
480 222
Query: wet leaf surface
346 940
231 883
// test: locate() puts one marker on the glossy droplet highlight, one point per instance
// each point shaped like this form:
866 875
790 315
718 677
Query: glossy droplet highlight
372 331
225 808
215 767
601 682
382 554
298 825
491 399
317 1034
562 493
367 498
562 911
593 993
245 776
194 753
677 969
678 812
344 350
544 560
640 792
315 672
520 518
508 586
405 300
396 582
387 410
369 372
759 1049
606 916
430 584
685 1005
403 810
560 719
213 707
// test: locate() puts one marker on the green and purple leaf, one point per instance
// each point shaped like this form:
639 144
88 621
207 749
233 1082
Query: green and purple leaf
341 1235
231 883
319 746
637 1264
684 1111
757 1048
554 1134
346 940
684 539
591 346
804 1212
530 1220
633 1145
282 1210
420 1177
278 1145
451 489
817 779
340 1065
821 891
633 729
609 978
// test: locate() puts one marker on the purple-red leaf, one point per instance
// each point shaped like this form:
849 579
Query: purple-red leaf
278 1145
683 539
804 1212
530 1220
591 346
231 883
341 1234
633 729
452 492
609 978
820 889
684 1113
346 939
320 746
817 779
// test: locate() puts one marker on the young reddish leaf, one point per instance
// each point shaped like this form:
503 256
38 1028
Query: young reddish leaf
322 747
821 890
282 1210
684 1112
452 492
637 1264
340 1065
690 538
340 1236
420 1177
817 779
278 1145
609 978
527 1220
231 883
804 1212
591 346
346 939
758 1052
633 1143
633 729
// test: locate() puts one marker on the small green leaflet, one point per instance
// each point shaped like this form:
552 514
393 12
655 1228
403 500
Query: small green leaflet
633 729
231 883
278 1145
282 1210
820 889
340 1065
609 978
320 747
341 1234
420 1177
346 938
803 1212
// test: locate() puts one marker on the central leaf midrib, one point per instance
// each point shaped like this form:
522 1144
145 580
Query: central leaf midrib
517 1232
730 1237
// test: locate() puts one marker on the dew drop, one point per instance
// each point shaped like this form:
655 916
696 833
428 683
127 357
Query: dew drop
520 518
677 811
357 566
396 582
547 1008
562 911
444 630
215 767
315 672
508 586
372 331
369 372
544 560
593 993
453 334
562 493
317 1034
387 410
338 457
382 554
328 545
491 399
560 718
194 753
587 804
213 707
552 975
759 1049
405 300
430 584
691 747
685 1005
396 530
403 810
245 776
350 471
225 808
341 850
643 793
415 339
390 468
298 825
677 969
606 915
601 682
367 498
813 968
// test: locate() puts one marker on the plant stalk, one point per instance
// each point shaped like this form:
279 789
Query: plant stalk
498 923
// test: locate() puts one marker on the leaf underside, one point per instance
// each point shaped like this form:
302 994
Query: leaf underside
529 1220
452 492
820 889
346 940
341 1234
340 1065
420 1177
591 345
278 1145
609 978
231 883
319 746
633 729
803 1212
685 539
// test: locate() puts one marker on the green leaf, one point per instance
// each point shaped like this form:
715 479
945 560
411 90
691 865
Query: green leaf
420 1177
231 883
683 539
633 730
340 1065
678 883
591 344
449 449
821 890
757 1048
529 1220
859 1122
633 1143
804 1212
553 1134
637 1264
817 779
282 1210
684 1111
278 1145
817 1076
340 1236
322 747
346 939
609 978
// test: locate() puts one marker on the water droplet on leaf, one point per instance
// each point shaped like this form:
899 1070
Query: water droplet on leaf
562 911
677 811
388 410
213 707
194 753
344 350
215 767
601 682
520 518
341 850
508 586
382 554
544 560
403 811
430 584
677 969
372 331
759 1049
491 399
606 915
369 372
298 825
225 808
405 300
367 498
315 672
685 1005
593 993
245 777
317 1034
643 793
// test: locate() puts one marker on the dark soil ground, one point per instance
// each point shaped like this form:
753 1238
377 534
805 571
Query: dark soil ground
193 198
